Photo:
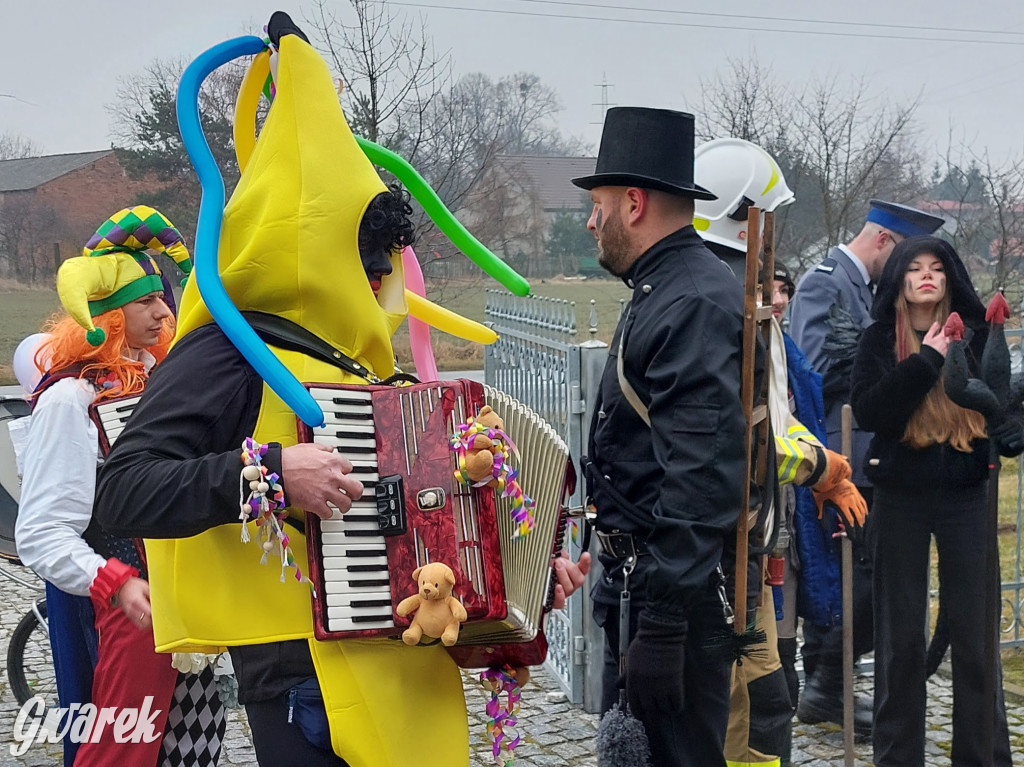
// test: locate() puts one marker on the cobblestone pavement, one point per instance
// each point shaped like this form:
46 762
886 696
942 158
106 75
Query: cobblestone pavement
555 733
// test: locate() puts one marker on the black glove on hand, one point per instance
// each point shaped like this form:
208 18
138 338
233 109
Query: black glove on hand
654 666
1009 436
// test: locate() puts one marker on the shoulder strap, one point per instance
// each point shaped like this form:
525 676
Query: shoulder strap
627 388
285 334
52 377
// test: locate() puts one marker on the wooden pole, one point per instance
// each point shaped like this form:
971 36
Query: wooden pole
747 398
847 556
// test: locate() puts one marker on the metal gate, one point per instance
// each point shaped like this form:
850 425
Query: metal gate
540 360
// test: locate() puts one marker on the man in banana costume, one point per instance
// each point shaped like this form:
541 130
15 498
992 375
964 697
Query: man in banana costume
290 246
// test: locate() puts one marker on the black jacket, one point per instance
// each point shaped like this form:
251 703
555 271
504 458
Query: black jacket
173 473
884 397
683 477
885 394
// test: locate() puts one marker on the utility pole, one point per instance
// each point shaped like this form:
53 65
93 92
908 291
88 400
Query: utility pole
604 104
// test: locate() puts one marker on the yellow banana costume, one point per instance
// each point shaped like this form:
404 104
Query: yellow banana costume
289 247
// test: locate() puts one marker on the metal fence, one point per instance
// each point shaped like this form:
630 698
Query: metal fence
1012 615
540 360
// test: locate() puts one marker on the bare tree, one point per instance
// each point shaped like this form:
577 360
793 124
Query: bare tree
388 65
839 144
13 147
985 200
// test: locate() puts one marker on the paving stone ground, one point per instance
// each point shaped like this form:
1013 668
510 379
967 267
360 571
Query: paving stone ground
555 733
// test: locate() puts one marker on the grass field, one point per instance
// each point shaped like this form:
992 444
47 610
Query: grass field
23 311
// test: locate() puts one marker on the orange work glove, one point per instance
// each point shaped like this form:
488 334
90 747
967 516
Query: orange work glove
837 469
836 489
850 504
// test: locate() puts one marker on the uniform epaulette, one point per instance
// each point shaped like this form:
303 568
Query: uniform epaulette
826 266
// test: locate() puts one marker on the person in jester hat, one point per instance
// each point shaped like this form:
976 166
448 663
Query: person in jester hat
115 327
312 236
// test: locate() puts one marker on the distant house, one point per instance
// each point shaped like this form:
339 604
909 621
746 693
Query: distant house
50 205
512 207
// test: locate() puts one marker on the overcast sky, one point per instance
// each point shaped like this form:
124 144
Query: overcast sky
61 60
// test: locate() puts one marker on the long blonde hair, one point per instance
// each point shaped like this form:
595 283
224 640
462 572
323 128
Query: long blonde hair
937 419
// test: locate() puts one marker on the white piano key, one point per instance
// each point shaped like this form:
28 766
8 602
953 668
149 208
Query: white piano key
334 570
347 624
334 551
342 587
373 614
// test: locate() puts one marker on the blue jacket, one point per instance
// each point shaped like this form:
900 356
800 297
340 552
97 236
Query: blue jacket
820 587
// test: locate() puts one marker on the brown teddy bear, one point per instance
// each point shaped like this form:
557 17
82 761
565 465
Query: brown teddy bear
479 461
438 613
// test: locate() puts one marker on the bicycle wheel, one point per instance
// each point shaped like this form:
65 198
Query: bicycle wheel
29 660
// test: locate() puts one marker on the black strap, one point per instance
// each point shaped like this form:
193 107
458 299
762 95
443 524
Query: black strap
285 334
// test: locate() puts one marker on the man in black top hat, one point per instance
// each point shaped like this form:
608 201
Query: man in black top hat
666 459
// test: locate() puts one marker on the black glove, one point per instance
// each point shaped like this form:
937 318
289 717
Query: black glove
654 666
1009 436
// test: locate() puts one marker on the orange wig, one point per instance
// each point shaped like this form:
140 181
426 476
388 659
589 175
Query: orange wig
68 346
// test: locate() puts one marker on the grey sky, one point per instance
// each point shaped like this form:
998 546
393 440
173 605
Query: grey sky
62 59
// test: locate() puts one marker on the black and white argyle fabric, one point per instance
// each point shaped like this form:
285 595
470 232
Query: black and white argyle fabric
195 723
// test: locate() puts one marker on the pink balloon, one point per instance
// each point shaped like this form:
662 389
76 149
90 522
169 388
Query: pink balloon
419 331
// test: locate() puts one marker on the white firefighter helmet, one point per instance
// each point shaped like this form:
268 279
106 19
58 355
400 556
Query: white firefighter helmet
742 174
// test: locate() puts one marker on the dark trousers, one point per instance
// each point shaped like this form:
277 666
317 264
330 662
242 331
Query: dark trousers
903 527
696 736
825 645
279 742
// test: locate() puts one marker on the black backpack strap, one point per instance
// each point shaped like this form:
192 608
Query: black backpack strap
285 334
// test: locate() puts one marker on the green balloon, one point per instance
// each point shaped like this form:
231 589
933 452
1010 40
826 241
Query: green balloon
440 215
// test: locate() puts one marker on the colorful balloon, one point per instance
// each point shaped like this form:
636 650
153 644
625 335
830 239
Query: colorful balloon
419 331
448 321
211 213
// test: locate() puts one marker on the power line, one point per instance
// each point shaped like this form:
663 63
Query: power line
871 24
730 27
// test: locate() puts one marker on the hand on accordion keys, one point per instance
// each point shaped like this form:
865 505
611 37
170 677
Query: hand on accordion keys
315 475
569 576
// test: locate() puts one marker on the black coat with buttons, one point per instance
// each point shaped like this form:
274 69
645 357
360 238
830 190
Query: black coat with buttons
678 484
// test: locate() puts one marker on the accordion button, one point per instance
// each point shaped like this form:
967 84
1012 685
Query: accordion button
601 414
646 288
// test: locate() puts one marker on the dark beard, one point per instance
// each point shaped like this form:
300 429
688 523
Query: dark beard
613 253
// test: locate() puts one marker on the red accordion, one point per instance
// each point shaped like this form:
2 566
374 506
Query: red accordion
414 511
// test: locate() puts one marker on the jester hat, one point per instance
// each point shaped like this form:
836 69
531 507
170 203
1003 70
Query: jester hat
289 240
117 266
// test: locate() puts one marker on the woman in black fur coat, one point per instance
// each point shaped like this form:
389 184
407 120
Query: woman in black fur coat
929 464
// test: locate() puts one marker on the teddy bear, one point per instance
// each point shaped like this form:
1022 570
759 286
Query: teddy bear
438 613
479 457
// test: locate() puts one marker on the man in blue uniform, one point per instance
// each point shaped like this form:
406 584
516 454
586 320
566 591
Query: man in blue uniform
831 307
666 460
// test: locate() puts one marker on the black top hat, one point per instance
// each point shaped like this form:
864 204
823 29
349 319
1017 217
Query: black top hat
647 148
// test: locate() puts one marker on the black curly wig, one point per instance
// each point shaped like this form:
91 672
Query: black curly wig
386 225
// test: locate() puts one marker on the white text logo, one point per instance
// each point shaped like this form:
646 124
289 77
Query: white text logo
82 724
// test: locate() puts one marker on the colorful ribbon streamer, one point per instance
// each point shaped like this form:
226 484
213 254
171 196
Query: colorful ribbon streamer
501 718
503 477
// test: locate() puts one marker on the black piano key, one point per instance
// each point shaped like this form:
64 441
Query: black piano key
363 533
367 569
363 584
366 553
371 603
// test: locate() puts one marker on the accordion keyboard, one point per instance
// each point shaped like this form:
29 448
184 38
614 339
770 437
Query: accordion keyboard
110 418
357 588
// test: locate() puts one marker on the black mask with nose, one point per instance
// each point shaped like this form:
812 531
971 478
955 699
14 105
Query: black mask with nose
386 227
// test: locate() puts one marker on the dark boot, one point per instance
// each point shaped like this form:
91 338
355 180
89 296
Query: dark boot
822 701
787 656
